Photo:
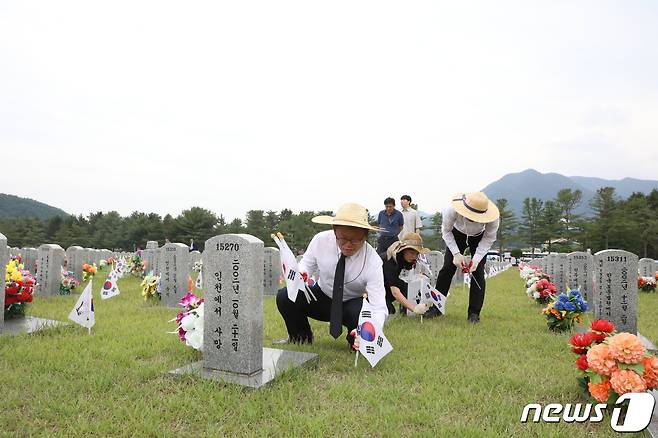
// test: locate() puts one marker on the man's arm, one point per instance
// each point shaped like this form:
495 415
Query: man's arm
309 262
488 238
448 217
419 223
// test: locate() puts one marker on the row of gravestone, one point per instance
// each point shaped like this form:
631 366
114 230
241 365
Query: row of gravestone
75 256
607 280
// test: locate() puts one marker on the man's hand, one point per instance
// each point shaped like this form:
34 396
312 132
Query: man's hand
458 260
355 344
420 309
473 266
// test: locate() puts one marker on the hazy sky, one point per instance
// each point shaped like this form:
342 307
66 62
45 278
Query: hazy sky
160 106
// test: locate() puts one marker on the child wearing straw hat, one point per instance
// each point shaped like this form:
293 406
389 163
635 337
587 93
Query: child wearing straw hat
348 268
470 221
402 255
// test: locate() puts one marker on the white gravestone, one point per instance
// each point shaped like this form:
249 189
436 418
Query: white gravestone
615 288
49 274
271 270
581 274
173 282
646 267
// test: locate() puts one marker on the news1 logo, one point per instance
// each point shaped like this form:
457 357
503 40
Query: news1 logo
638 415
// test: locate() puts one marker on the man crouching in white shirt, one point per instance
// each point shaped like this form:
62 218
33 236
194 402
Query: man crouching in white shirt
348 268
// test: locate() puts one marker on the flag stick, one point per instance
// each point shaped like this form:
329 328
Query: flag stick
356 358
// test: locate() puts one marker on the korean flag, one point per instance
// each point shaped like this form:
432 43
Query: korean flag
373 345
433 296
294 280
110 288
83 312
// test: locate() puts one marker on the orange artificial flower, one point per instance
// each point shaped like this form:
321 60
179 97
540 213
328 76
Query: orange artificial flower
624 381
600 360
650 371
626 348
600 391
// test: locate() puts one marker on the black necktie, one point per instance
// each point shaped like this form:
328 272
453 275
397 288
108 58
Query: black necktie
336 319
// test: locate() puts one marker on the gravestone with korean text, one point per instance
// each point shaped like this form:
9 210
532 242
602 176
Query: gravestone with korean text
30 259
49 275
75 257
271 270
646 267
580 274
174 262
615 288
561 268
233 317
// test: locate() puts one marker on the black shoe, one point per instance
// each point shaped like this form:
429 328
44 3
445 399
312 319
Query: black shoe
474 318
433 312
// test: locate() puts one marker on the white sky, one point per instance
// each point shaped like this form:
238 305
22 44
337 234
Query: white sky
160 106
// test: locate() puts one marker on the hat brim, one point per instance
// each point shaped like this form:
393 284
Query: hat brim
490 215
331 220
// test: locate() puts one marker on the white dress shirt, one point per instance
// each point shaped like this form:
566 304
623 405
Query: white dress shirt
451 219
412 222
363 271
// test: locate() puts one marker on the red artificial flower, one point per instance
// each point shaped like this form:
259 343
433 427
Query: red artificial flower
580 342
602 325
581 362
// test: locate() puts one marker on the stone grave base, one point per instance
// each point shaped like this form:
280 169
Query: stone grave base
275 362
28 324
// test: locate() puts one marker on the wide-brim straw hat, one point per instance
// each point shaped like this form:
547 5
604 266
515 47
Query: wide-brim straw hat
350 215
409 240
476 207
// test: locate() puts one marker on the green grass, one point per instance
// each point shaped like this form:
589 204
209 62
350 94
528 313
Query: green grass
443 378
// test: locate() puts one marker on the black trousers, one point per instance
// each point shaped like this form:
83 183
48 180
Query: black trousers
383 242
443 280
296 314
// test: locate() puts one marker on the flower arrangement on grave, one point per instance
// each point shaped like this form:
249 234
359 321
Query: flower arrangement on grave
646 284
111 261
88 271
542 290
19 287
68 283
565 310
102 263
610 365
136 266
150 288
527 271
190 321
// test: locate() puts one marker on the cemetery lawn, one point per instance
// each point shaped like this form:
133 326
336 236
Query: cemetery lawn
443 378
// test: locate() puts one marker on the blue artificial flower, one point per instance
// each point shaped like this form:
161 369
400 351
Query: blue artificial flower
569 306
563 297
583 306
575 293
559 305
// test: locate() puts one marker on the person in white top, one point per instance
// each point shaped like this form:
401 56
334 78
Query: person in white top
470 221
412 221
348 268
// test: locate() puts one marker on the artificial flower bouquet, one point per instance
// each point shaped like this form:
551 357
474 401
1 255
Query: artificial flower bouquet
19 287
190 321
136 266
150 288
610 365
565 310
68 283
646 284
88 271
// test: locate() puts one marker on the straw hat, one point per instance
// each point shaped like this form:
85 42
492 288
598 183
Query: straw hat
351 215
476 207
409 240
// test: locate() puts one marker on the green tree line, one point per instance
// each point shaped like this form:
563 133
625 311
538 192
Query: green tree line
630 224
